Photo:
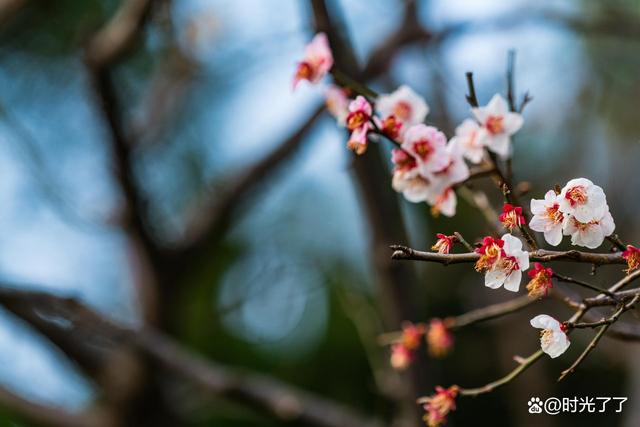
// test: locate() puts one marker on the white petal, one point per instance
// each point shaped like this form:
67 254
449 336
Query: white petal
607 224
512 122
499 144
512 283
557 346
495 278
544 321
554 235
497 106
592 237
511 244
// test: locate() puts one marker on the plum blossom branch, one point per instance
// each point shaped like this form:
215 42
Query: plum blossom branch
540 255
522 366
606 324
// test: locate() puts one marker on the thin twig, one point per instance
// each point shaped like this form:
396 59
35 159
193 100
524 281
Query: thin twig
568 279
594 342
463 241
472 99
489 312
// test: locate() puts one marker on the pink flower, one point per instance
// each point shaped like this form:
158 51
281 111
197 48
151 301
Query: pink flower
499 124
401 357
632 255
547 218
439 338
359 123
427 144
438 406
454 171
444 243
412 335
317 61
400 110
470 136
407 179
540 282
337 103
511 216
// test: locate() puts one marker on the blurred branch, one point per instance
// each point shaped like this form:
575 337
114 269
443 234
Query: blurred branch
409 31
50 416
215 216
102 53
8 9
108 45
54 316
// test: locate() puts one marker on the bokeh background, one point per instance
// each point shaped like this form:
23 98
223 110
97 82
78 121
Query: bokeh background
291 287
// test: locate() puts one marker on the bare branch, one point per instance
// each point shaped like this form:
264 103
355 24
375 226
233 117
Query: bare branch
213 219
489 312
51 416
115 38
606 323
54 316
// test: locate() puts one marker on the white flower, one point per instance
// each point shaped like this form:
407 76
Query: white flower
499 123
583 199
427 144
404 104
471 137
455 169
507 269
589 234
553 339
547 218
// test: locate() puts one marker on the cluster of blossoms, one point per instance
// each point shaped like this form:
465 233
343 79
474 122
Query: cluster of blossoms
438 338
427 167
580 210
438 406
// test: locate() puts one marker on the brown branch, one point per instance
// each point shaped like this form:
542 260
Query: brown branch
540 255
606 323
54 316
213 219
50 416
114 39
584 284
489 312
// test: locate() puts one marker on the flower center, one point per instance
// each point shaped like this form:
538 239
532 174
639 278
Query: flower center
494 124
509 264
546 337
492 254
356 119
305 71
391 127
554 214
576 195
423 149
402 110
